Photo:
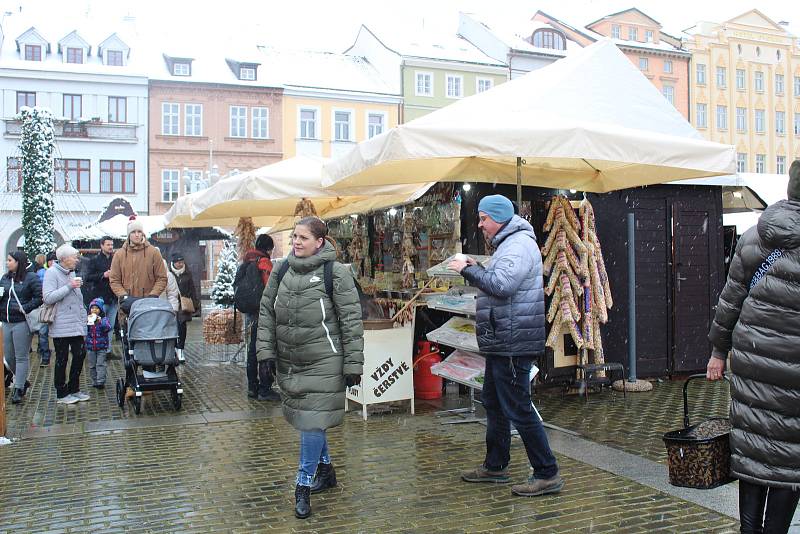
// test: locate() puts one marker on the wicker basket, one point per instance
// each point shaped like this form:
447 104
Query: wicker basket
219 327
698 456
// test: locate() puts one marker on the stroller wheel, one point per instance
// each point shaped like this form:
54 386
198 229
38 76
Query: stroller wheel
137 405
121 393
177 399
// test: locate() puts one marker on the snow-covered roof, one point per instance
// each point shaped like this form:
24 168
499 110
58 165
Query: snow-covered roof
323 70
661 46
73 38
427 45
52 30
117 227
515 35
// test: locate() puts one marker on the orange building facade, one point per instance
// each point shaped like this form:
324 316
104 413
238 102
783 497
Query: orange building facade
202 130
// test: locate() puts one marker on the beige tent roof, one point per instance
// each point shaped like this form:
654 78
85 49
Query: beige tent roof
590 122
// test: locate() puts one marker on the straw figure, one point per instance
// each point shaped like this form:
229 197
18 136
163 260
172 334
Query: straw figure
245 236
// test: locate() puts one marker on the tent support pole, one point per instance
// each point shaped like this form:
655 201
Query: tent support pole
519 184
631 298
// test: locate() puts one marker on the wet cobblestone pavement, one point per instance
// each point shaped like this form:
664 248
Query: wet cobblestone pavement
225 463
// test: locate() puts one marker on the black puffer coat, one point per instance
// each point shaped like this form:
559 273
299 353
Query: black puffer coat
761 328
29 293
510 315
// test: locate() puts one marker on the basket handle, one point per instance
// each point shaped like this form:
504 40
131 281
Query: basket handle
686 398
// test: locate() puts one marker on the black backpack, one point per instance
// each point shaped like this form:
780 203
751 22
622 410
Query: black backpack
248 286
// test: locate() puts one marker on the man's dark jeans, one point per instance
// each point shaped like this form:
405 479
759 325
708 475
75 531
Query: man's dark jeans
63 346
506 397
258 381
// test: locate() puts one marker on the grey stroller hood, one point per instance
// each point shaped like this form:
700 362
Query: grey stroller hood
152 319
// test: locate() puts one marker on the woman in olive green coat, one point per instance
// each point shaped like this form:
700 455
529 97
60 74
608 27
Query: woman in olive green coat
313 345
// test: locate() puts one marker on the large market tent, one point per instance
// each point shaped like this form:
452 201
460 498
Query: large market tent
180 216
590 122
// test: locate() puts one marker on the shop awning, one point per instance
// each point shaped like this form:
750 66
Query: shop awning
590 122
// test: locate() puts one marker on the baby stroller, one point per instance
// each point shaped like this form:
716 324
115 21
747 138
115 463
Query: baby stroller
149 334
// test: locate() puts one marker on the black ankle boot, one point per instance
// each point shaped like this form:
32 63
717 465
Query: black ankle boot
324 478
16 397
302 501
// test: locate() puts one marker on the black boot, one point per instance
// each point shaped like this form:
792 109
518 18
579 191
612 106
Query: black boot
324 478
16 397
302 501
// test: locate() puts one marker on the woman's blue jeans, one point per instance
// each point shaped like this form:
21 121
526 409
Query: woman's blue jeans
313 451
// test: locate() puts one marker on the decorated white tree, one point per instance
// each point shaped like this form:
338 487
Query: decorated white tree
37 144
222 290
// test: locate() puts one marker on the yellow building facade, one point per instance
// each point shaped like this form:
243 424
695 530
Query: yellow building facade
330 125
745 89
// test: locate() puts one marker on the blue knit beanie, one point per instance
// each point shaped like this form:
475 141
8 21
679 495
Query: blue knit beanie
498 207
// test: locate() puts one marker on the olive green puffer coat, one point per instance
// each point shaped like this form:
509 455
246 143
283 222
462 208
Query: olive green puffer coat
316 341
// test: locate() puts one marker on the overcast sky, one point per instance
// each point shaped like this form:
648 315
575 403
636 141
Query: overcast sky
333 24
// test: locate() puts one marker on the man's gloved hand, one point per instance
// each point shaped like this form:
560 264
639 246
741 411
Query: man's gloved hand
272 369
352 380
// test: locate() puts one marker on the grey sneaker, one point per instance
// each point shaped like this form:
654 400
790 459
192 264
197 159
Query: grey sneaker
481 474
67 399
81 396
537 486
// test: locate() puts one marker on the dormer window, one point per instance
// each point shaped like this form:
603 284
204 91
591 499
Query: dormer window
247 73
549 39
33 53
181 69
114 58
74 55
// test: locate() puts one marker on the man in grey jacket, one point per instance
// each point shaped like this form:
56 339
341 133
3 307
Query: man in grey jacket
510 326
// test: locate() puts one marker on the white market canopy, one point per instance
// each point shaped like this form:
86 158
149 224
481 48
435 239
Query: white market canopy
117 227
590 122
276 189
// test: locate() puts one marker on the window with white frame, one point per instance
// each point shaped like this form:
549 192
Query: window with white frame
342 125
455 86
193 119
484 84
644 64
170 178
797 86
308 123
760 121
193 181
741 119
722 117
722 77
780 122
375 124
797 123
170 118
238 121
780 165
423 83
740 79
702 115
648 36
615 31
247 73
633 34
780 84
669 93
761 163
759 81
260 122
741 162
701 74
668 66
181 68
117 109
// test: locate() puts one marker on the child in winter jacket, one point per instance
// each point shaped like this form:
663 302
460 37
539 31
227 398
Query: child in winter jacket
97 329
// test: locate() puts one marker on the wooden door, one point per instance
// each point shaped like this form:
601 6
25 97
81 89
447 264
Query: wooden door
693 281
653 312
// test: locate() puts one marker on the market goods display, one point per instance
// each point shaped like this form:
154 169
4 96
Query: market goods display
577 278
